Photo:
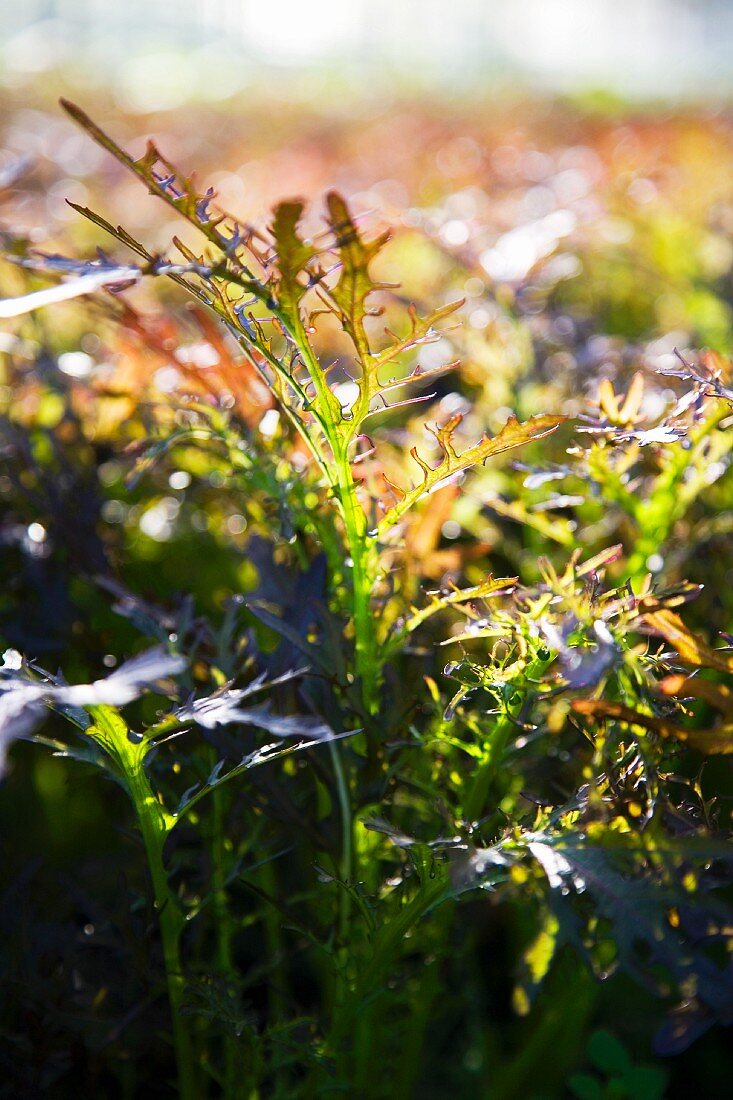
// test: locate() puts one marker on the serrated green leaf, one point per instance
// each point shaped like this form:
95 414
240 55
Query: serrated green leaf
513 434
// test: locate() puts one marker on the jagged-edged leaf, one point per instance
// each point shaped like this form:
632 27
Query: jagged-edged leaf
691 648
673 596
126 682
513 434
483 868
236 247
354 284
107 275
21 712
719 696
86 753
23 702
218 999
582 666
148 618
195 206
712 741
439 601
663 926
117 232
293 254
374 385
263 755
224 708
422 331
705 375
682 1027
287 289
349 298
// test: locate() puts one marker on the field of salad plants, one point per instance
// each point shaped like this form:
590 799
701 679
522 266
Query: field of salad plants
366 517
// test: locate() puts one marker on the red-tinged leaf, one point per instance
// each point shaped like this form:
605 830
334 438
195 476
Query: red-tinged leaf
680 686
629 411
605 557
347 298
293 254
179 193
607 400
711 742
682 593
690 648
355 283
422 331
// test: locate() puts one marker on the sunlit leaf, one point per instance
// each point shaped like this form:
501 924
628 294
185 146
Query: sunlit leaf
712 741
717 695
690 647
513 434
292 255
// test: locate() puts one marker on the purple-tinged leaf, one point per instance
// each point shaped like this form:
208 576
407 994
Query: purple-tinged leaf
21 711
64 292
582 666
126 683
224 708
22 702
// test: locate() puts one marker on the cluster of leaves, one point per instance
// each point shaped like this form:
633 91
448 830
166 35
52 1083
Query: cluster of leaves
310 891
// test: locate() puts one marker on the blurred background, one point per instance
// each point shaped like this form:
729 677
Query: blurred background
571 155
634 47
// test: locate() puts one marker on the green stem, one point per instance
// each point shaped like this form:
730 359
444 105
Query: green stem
485 773
549 1046
152 822
341 987
354 1028
273 926
223 921
361 546
111 733
347 848
478 791
361 549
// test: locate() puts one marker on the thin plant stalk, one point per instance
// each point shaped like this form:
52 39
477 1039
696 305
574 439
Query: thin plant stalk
361 551
223 919
111 733
478 791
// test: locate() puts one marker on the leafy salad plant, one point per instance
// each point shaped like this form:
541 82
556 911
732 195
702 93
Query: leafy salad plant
339 772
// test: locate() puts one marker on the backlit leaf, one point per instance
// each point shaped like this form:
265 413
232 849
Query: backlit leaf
513 434
690 647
